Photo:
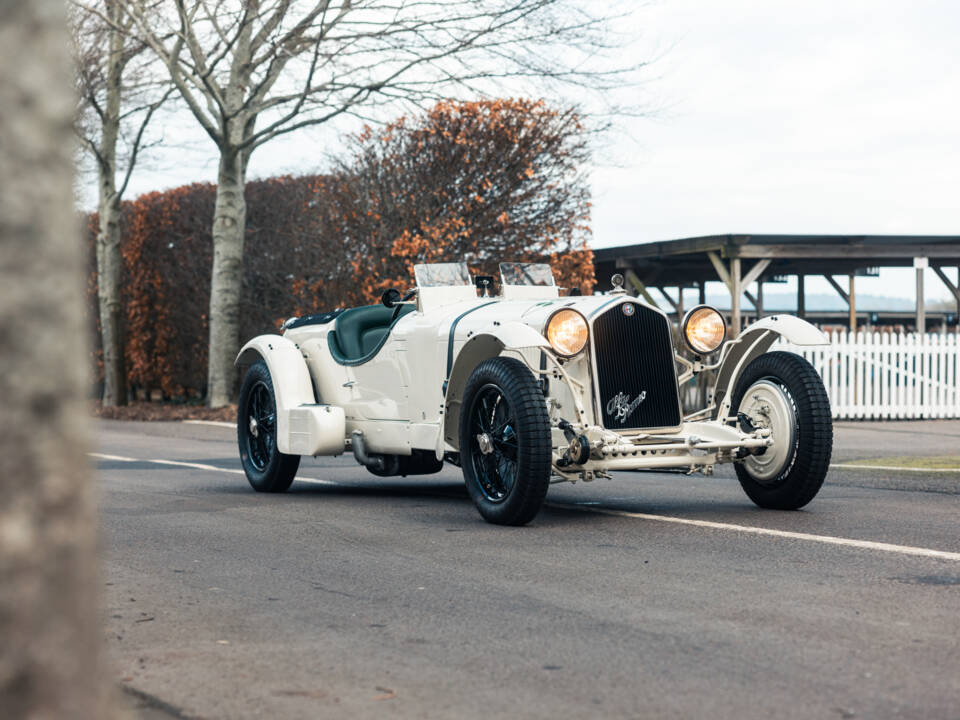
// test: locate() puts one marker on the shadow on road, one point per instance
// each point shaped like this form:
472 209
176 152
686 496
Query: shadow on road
378 488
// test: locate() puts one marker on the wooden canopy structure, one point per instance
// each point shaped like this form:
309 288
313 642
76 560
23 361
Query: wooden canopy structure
740 260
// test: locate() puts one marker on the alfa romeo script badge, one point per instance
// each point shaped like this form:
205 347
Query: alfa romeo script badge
622 407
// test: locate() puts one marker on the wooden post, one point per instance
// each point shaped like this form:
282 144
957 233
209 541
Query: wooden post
759 299
702 293
735 283
855 373
921 309
679 303
852 299
801 297
736 290
755 274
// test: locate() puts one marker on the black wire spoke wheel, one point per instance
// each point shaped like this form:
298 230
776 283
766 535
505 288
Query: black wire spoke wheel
493 443
261 425
781 391
267 469
505 447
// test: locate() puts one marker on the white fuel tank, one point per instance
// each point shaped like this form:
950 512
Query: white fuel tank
314 430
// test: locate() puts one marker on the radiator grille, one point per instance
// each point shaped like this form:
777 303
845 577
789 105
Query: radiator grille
636 371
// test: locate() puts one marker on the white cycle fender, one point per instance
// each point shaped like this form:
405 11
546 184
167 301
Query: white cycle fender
755 340
487 344
303 426
791 328
482 346
517 335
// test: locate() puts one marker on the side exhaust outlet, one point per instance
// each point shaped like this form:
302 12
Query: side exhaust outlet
373 461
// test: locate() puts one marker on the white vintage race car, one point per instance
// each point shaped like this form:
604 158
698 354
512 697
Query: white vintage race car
528 388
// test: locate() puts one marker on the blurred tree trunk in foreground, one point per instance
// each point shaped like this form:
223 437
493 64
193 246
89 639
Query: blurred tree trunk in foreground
49 630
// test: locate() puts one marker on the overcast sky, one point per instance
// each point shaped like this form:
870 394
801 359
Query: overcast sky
812 116
772 116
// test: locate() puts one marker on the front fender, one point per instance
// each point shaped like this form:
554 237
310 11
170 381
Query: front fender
291 378
488 343
755 340
792 329
482 345
516 335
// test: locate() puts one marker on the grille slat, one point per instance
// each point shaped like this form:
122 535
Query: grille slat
634 358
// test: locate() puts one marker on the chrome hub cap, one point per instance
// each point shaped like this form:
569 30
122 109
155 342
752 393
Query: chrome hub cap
485 443
770 405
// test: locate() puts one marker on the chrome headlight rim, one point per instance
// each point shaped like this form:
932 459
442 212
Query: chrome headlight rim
546 328
686 320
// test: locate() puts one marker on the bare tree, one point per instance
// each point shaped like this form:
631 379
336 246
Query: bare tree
118 94
253 70
49 659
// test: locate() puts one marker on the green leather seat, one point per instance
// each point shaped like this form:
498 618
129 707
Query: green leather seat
360 332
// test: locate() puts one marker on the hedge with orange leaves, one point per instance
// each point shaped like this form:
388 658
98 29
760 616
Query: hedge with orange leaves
477 182
167 250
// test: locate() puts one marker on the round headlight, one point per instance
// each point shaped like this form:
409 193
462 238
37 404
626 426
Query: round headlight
704 329
567 332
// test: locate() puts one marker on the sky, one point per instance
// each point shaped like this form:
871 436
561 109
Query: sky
764 116
836 116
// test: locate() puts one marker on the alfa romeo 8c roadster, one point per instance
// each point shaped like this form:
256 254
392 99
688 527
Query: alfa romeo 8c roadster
529 387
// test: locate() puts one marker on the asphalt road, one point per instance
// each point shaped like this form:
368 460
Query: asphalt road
356 596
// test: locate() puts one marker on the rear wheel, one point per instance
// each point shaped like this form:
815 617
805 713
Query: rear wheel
782 391
505 448
267 469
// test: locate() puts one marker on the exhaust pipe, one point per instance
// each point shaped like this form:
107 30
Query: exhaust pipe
374 462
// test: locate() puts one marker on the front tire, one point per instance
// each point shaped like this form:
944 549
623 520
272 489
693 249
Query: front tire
505 443
267 469
782 391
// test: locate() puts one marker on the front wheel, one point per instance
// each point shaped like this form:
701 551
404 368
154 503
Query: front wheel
267 469
782 391
505 448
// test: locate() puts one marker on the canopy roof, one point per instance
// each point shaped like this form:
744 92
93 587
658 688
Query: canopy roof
686 261
740 260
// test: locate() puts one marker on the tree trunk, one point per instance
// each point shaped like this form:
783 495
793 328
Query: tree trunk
229 221
109 258
109 272
49 657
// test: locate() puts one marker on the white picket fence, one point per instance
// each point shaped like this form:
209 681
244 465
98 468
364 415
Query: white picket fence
886 376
